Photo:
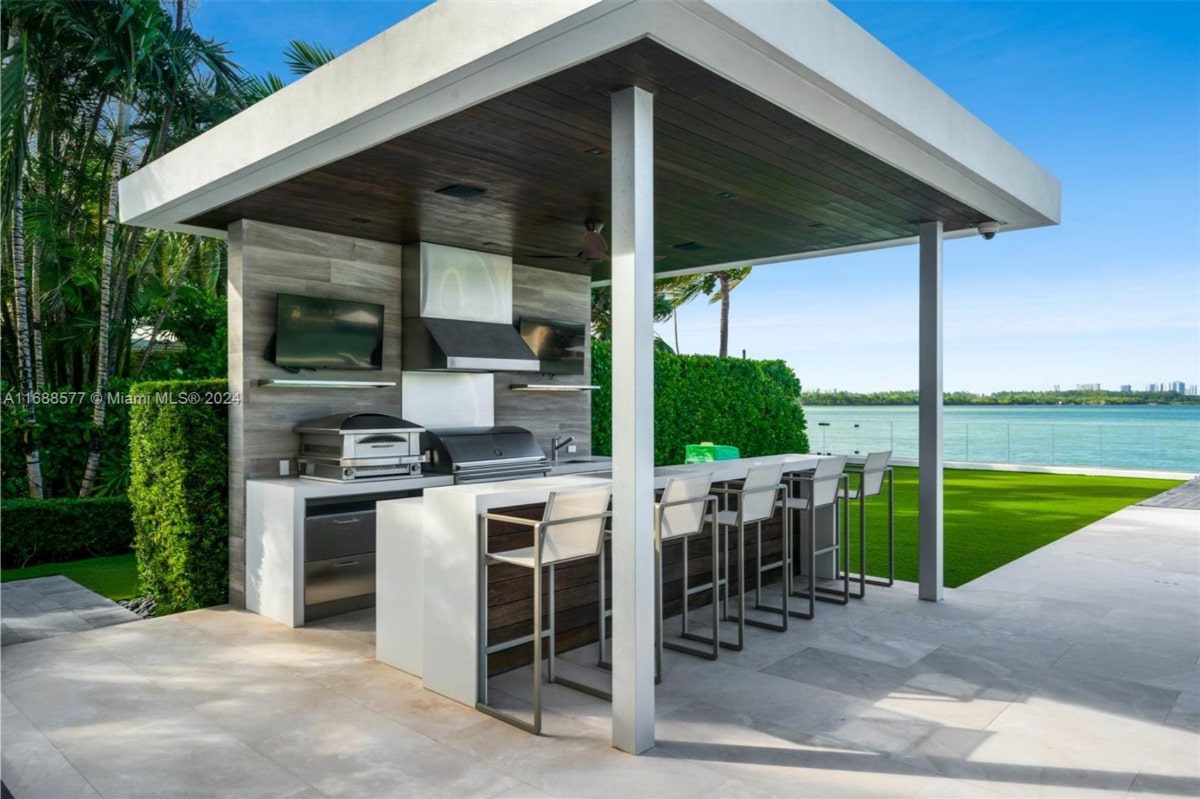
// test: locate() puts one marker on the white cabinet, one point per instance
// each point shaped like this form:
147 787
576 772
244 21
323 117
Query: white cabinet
338 572
400 585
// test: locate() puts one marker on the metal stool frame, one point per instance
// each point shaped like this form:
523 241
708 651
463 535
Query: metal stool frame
487 559
660 510
861 495
776 489
815 592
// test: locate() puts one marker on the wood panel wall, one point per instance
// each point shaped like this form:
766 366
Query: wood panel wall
264 260
560 296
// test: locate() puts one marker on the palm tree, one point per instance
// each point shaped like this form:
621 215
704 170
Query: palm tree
715 285
104 86
723 282
15 132
602 314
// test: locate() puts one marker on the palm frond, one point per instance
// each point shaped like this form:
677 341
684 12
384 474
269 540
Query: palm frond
304 57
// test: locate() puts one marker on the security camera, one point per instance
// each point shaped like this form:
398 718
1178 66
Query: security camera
989 229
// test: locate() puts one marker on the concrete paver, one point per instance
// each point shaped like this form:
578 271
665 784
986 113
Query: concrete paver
48 606
1074 671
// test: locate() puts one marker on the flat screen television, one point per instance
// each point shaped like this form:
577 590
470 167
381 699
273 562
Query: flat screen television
559 346
319 333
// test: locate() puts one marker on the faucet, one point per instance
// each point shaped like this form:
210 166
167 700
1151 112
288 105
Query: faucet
558 443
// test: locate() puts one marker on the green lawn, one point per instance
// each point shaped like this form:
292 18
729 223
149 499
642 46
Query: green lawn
114 576
993 518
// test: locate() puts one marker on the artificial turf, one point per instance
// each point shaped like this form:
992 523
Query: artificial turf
114 576
992 517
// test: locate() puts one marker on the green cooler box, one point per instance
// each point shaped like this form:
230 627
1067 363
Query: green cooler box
708 451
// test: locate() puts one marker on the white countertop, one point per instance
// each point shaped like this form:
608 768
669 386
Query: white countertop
304 487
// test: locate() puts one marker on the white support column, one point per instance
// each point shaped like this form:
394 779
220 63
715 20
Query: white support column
633 419
929 448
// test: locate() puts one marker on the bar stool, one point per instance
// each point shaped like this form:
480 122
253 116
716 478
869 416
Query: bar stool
822 486
870 483
679 514
571 529
682 513
757 499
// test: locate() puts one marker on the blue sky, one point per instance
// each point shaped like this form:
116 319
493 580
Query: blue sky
1104 95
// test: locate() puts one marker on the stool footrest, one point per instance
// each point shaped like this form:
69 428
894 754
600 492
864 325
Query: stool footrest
707 654
696 589
599 693
513 642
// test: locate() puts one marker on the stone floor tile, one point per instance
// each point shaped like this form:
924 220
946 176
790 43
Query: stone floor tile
398 696
521 791
97 699
33 768
365 754
20 661
1160 786
183 755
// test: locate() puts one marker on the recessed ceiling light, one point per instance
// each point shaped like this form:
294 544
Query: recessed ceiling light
460 192
726 195
691 245
361 220
597 151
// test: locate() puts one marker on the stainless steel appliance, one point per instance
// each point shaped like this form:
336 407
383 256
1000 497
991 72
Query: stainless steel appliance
477 454
352 447
457 312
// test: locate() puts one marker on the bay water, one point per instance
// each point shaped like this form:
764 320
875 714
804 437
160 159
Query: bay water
1163 437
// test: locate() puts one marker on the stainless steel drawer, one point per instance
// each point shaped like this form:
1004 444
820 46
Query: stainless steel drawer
337 578
339 534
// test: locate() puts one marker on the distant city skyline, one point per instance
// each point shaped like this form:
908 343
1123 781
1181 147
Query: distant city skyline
1178 386
1105 96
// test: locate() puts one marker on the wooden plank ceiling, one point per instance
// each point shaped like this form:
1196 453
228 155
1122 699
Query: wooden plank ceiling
736 178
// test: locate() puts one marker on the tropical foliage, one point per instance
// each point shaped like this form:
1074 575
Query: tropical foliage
93 90
748 404
670 293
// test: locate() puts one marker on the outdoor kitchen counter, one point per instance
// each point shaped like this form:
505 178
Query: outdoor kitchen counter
444 536
440 531
276 509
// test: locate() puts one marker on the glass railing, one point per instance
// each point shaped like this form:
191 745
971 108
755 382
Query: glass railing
1129 446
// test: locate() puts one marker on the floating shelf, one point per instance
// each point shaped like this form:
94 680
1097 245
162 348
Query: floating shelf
550 387
328 383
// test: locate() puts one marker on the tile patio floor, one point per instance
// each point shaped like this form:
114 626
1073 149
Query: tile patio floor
1074 671
47 606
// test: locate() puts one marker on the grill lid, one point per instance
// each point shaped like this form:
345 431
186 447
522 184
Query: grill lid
452 449
357 423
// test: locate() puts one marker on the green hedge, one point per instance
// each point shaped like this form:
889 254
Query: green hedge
752 405
59 530
180 493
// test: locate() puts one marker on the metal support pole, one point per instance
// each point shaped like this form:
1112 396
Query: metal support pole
633 574
929 448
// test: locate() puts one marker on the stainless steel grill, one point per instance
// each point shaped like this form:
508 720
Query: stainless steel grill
359 446
477 454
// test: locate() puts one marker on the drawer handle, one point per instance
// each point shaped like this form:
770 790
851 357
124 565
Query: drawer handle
344 564
347 521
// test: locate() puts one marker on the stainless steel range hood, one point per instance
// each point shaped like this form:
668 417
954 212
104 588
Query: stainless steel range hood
457 312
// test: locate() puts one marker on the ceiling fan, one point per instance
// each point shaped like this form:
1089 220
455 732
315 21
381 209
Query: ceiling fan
594 248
